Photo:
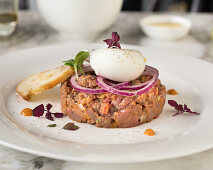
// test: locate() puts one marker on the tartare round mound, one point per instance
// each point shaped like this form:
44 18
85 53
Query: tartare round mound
110 110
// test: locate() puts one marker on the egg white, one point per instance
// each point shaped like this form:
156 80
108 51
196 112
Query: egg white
117 64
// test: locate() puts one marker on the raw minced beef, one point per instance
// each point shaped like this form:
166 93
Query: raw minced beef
110 110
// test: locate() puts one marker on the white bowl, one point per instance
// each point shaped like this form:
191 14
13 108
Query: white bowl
165 33
80 18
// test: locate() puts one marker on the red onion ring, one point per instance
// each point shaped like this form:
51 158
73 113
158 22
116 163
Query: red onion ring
129 87
75 85
102 84
147 72
120 88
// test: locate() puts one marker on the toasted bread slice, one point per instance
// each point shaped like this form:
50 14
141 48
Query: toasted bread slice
37 83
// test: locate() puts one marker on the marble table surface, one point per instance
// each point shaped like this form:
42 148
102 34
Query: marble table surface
33 32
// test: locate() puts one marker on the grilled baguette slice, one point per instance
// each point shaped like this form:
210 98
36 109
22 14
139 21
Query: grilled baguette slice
40 82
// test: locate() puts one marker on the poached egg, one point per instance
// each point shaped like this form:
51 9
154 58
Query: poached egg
117 64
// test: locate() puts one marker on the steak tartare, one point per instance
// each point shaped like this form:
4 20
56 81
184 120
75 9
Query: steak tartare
110 110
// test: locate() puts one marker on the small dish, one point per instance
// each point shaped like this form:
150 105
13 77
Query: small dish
165 27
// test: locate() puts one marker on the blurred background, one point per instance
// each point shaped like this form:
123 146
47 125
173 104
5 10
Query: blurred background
150 5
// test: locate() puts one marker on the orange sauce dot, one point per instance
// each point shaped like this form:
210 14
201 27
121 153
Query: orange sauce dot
172 92
27 112
149 132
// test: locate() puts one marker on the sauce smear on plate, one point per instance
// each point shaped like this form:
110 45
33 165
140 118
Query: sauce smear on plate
27 112
149 132
172 92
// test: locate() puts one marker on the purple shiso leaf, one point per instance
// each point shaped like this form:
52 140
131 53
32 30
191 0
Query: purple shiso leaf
114 41
48 106
186 109
115 36
109 42
176 114
180 108
116 44
49 116
58 115
70 126
172 103
194 113
38 111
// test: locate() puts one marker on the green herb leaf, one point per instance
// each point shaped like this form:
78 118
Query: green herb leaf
78 61
52 125
79 54
76 69
69 62
70 126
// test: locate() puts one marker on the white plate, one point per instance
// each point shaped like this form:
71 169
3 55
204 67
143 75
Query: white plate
176 136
